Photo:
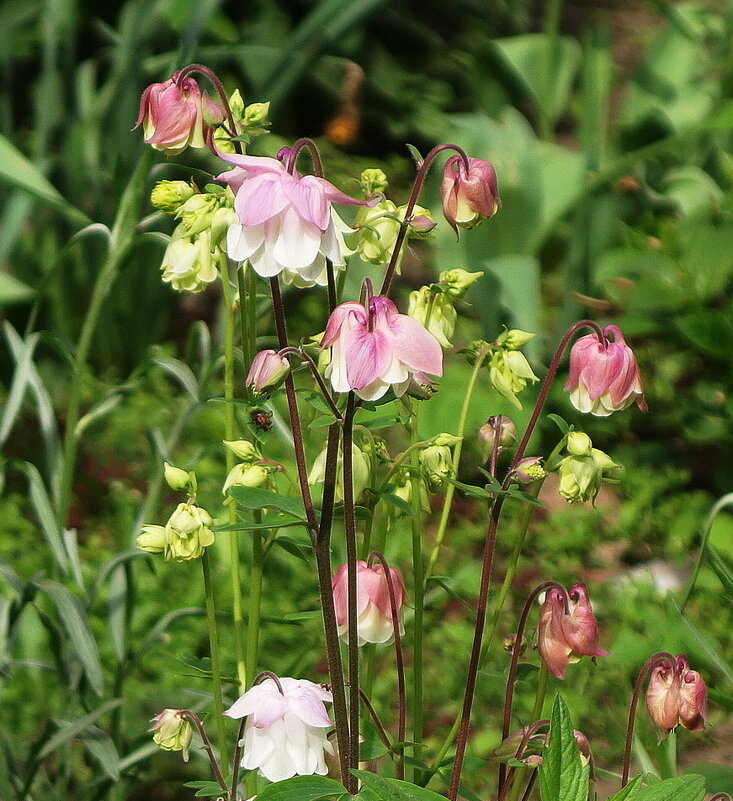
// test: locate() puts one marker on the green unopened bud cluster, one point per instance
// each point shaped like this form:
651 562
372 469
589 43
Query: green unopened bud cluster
249 121
360 466
251 470
584 469
436 460
509 369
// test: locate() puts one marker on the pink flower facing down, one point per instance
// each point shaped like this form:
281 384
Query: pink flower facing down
375 347
267 372
468 197
563 638
373 608
286 222
676 697
285 733
604 378
175 116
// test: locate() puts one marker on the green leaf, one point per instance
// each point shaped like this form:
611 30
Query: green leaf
301 788
559 422
682 788
393 789
256 498
69 729
628 793
562 775
100 746
181 372
204 789
12 290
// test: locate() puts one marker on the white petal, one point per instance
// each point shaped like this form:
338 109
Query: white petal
297 242
243 241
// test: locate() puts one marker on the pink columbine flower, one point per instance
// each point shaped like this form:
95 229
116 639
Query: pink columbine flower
676 697
562 638
285 732
286 222
373 608
374 347
267 371
468 196
177 114
604 378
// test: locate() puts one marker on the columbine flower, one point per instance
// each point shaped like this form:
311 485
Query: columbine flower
487 434
361 467
184 536
434 310
582 472
563 638
676 697
436 460
375 348
285 732
175 115
373 609
267 372
172 732
468 197
286 222
604 378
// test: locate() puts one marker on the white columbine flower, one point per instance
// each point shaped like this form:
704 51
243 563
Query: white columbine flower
285 732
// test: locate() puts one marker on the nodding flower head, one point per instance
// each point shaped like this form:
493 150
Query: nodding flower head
175 114
469 196
604 376
268 370
286 223
563 637
676 696
375 348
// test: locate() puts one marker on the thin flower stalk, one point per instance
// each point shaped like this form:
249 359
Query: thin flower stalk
399 658
219 88
193 718
529 732
418 600
233 796
659 659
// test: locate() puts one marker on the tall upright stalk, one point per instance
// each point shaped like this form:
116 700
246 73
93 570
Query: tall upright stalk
418 599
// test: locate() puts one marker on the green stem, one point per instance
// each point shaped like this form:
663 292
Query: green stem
668 756
418 601
119 242
460 431
215 664
230 434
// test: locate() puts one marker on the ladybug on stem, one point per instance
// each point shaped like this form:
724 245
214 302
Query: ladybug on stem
261 419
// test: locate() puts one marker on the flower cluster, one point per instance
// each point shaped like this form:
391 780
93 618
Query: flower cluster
676 696
183 537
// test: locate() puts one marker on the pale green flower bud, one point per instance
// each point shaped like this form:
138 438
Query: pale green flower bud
581 476
373 182
169 195
187 533
243 449
361 469
172 731
436 312
487 433
236 104
188 264
246 475
376 232
221 220
579 444
436 463
442 440
514 339
177 479
195 214
457 281
403 489
256 118
509 372
152 539
421 221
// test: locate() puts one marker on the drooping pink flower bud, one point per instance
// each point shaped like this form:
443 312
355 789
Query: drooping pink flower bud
604 378
175 114
267 371
375 348
562 638
676 696
373 608
468 196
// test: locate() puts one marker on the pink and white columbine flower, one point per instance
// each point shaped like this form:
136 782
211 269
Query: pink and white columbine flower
676 697
286 223
375 348
563 637
604 378
175 115
285 732
469 196
374 622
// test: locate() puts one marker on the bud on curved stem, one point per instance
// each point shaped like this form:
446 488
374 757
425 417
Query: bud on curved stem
655 660
512 674
193 718
529 732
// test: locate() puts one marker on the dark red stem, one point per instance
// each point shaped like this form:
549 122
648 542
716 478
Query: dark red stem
295 152
528 734
193 718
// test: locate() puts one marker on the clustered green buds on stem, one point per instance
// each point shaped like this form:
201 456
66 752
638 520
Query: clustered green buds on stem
436 460
583 470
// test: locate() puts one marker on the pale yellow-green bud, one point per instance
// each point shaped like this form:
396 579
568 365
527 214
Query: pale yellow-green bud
403 489
361 470
457 281
256 117
177 479
188 263
509 372
244 450
169 195
442 440
436 312
152 539
579 444
373 182
236 104
436 463
514 339
376 232
581 476
187 533
221 220
246 475
195 214
421 221
172 731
